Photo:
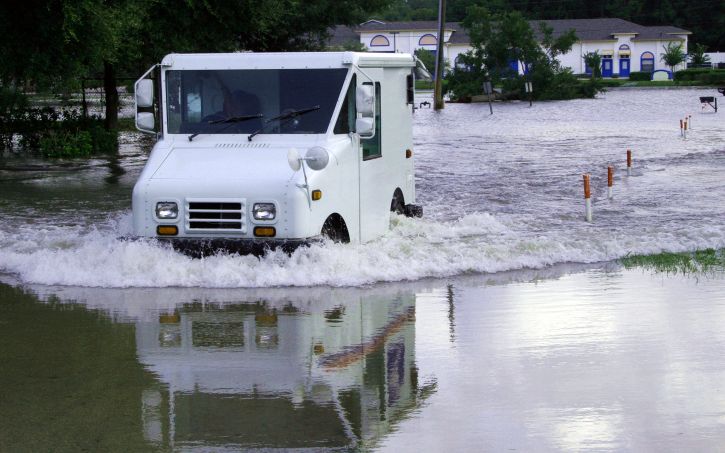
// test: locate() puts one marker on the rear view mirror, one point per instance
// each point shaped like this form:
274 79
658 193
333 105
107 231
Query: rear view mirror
145 121
293 159
365 100
365 127
144 93
421 72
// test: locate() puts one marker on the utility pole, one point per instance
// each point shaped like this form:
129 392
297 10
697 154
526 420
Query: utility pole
438 103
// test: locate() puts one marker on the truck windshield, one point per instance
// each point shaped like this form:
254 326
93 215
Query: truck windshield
198 101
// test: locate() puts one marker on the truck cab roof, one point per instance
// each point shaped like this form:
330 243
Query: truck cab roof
286 60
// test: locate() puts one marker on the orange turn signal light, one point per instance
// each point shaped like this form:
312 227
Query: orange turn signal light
169 319
316 195
167 230
265 232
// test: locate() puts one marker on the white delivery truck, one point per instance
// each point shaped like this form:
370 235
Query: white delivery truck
262 150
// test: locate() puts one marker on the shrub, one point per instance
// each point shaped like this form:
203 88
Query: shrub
64 143
714 77
11 100
464 84
705 75
56 133
639 76
102 140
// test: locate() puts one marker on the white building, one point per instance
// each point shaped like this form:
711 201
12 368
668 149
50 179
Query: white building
624 46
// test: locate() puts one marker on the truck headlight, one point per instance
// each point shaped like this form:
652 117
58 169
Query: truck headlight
167 210
264 211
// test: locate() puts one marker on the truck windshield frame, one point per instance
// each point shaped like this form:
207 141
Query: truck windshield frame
198 100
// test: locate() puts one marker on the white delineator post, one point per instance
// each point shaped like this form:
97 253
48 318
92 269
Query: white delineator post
629 162
685 130
610 181
587 199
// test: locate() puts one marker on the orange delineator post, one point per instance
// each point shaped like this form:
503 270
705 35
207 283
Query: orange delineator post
629 162
587 199
610 181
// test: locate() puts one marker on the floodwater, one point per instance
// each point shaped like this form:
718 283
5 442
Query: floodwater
500 192
569 358
497 322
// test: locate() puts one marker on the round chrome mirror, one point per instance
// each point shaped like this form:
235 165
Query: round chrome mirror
293 159
317 158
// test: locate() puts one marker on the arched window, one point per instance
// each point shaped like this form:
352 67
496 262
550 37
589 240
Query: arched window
624 47
647 62
427 40
379 41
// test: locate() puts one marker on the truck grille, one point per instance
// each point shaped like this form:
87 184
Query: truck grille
215 215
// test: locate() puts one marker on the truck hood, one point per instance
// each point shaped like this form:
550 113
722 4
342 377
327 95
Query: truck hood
225 162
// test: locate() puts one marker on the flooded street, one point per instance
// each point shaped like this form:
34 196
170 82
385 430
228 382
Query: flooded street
499 321
500 192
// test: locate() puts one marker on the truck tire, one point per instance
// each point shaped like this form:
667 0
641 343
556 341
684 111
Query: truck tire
397 205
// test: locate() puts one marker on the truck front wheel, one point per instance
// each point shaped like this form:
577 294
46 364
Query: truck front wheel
335 229
397 205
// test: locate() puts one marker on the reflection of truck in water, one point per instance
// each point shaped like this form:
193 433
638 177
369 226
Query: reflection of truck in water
327 375
268 149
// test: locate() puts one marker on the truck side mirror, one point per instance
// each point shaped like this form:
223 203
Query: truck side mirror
365 127
145 121
145 93
365 100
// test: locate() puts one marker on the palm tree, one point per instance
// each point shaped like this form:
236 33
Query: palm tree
673 55
594 60
698 57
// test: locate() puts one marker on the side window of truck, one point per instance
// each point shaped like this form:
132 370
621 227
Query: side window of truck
346 119
372 148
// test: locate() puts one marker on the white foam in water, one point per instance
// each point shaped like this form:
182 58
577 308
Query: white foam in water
412 250
500 196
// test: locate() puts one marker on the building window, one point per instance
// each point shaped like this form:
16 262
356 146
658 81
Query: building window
427 40
379 41
647 62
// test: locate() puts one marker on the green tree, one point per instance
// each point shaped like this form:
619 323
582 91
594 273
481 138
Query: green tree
594 61
52 43
673 55
698 57
500 39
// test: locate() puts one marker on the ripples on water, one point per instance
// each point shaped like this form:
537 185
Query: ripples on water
500 192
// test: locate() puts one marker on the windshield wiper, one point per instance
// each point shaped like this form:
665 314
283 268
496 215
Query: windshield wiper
230 121
285 117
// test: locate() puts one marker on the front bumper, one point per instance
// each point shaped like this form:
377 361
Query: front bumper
199 248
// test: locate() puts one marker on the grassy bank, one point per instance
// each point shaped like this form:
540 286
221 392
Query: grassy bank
702 261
